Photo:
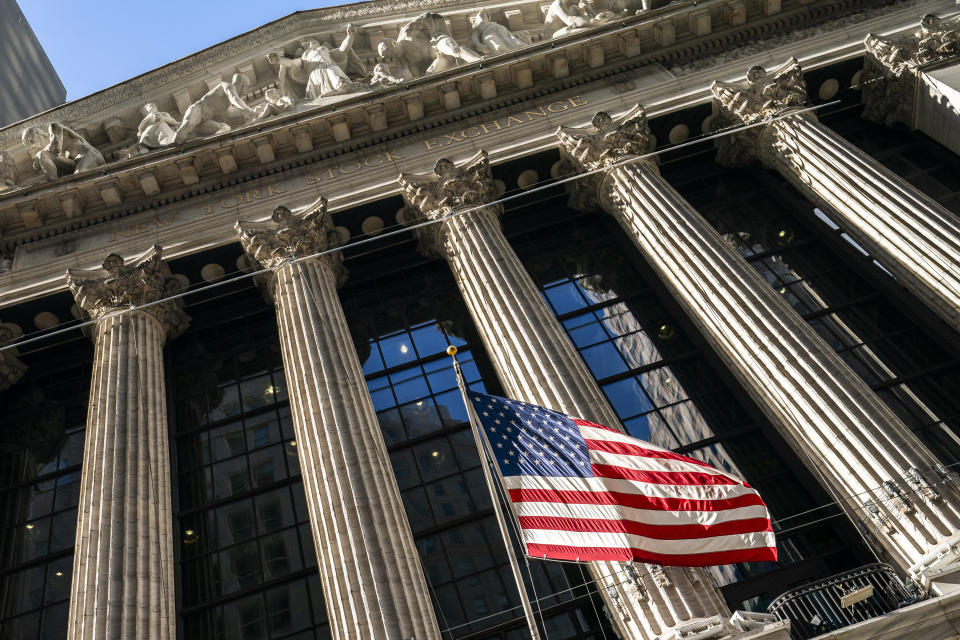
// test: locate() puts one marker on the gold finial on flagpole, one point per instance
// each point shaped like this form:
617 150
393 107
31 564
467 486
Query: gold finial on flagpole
451 351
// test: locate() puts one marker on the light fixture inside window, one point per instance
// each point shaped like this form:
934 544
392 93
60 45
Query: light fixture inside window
58 573
293 443
28 526
404 348
666 331
435 453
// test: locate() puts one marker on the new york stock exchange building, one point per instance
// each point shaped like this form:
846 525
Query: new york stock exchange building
727 227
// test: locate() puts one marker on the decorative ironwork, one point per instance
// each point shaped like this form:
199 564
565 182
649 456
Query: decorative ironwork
869 591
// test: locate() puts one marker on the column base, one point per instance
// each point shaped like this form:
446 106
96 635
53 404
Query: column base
744 625
944 554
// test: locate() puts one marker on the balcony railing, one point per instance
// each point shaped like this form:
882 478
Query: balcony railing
842 600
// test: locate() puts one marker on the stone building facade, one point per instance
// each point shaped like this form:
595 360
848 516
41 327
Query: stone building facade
727 227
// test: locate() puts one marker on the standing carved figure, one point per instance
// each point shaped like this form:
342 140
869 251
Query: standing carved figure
60 151
490 38
218 111
156 130
318 69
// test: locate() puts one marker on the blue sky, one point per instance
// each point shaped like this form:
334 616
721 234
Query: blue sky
94 44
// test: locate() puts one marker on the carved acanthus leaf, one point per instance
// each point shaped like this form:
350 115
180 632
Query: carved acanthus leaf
290 235
762 95
936 39
118 286
448 188
607 140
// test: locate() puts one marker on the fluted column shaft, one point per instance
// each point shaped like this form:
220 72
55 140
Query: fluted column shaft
537 363
372 582
122 585
913 236
825 411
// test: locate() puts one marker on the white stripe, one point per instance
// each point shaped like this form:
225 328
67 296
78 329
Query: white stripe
592 433
641 463
629 540
691 492
645 516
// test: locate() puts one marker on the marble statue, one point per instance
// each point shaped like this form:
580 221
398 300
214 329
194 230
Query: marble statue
763 94
274 104
392 68
423 46
8 172
569 16
219 110
60 151
319 70
490 38
156 130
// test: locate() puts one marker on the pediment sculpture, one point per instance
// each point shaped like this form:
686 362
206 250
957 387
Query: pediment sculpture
314 73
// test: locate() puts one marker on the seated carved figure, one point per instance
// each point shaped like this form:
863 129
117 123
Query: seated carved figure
156 129
60 151
274 104
489 37
569 16
218 111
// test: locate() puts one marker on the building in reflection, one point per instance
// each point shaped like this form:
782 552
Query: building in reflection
283 452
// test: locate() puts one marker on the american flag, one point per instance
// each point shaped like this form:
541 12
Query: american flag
582 491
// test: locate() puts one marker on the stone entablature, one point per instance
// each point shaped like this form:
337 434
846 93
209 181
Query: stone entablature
185 219
360 118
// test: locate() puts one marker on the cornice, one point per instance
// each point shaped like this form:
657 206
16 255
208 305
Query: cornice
200 166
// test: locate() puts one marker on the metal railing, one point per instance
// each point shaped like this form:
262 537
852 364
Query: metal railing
842 600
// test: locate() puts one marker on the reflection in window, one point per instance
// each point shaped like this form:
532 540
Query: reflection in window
247 561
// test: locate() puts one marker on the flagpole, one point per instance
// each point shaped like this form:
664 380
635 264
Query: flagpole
498 510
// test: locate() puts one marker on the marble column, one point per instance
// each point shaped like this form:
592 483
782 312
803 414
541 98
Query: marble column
373 584
537 363
867 458
122 586
11 369
914 79
911 235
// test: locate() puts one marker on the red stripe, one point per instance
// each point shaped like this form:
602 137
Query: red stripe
633 500
625 448
587 423
590 554
657 531
687 478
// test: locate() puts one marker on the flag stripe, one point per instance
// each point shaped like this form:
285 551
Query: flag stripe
627 448
632 500
624 554
688 492
643 463
566 509
655 531
630 540
659 477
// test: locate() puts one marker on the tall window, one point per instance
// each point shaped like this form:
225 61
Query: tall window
404 336
843 293
247 564
665 391
42 420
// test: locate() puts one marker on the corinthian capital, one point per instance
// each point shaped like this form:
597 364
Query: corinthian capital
448 188
890 78
290 235
118 286
607 140
762 94
936 39
11 369
603 143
